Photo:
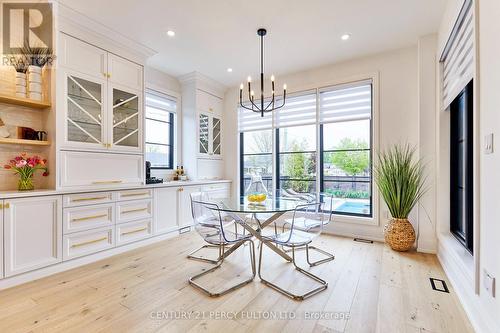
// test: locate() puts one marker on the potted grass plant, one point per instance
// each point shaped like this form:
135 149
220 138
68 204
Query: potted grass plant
400 179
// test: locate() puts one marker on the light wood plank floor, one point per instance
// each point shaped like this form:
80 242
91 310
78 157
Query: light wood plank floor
371 289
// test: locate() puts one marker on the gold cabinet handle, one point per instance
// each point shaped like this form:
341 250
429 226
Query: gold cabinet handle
108 75
6 205
88 199
134 194
134 210
80 219
133 231
105 74
89 242
1 206
108 182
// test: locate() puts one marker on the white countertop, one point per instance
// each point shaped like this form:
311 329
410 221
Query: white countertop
45 192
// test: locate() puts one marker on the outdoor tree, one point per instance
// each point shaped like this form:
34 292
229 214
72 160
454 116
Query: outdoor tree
351 161
299 166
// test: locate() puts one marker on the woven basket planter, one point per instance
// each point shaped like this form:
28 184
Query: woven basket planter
399 234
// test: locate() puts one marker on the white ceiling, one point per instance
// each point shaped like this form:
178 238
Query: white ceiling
214 35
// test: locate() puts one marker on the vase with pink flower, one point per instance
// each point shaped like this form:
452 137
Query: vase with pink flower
25 166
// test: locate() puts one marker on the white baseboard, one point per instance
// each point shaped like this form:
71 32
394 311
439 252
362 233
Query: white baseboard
460 280
67 265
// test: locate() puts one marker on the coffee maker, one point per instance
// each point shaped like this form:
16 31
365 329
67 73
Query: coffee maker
149 179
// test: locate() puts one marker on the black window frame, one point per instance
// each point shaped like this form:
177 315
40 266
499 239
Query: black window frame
171 140
279 154
242 164
462 140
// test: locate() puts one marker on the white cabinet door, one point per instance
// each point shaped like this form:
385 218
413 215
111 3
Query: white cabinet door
86 169
185 215
165 205
85 114
124 72
33 233
1 239
206 102
125 119
82 57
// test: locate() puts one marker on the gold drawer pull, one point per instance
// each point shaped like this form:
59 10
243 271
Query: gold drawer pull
89 242
133 231
79 219
134 194
108 182
134 210
87 199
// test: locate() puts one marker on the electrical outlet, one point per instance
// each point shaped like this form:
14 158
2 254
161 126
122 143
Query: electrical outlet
488 144
489 283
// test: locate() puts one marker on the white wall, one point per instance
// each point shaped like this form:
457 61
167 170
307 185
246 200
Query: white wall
465 273
398 108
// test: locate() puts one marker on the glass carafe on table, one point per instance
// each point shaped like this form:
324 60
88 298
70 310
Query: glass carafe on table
256 192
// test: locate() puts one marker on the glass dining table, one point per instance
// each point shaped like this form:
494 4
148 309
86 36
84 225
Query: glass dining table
262 215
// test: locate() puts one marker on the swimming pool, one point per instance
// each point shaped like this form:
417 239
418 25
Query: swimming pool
354 207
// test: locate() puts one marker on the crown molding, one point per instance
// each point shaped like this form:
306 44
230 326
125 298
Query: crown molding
83 27
204 83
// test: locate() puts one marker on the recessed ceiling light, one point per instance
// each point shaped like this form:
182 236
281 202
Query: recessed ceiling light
345 37
229 70
171 33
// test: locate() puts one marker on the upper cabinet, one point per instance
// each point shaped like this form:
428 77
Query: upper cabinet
208 103
209 109
102 99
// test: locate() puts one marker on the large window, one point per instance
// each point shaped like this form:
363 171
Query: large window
159 134
346 147
322 144
257 157
461 168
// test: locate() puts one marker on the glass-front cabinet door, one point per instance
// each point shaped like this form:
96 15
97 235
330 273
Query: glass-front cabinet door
216 137
126 120
85 117
203 134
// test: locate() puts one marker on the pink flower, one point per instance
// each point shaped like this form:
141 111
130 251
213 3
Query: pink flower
21 164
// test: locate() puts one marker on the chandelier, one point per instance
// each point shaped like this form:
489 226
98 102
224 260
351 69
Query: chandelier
264 107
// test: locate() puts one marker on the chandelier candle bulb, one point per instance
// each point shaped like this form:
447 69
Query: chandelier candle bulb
272 78
249 79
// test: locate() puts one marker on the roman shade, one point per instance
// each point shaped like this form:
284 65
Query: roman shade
159 101
352 101
458 56
252 121
299 109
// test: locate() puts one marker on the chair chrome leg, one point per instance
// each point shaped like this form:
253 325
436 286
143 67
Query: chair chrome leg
232 288
207 246
329 256
323 283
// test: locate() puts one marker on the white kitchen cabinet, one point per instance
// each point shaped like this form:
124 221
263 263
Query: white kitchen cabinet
134 210
133 231
102 102
82 57
208 103
185 214
124 72
166 211
83 243
88 217
32 233
209 136
92 169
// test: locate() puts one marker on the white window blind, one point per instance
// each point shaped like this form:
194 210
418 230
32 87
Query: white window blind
458 57
159 101
351 101
252 121
299 109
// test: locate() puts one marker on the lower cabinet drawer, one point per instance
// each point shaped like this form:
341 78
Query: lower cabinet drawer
133 231
134 210
133 194
87 242
88 217
85 199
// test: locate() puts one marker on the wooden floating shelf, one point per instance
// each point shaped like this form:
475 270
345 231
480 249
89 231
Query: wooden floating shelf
24 142
24 102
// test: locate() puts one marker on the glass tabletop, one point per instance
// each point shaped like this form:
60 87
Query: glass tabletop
270 205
